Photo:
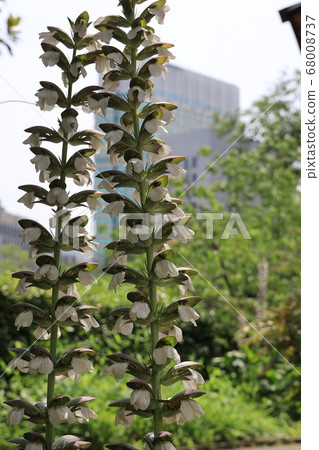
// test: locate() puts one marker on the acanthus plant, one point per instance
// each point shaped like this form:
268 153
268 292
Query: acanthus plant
67 232
132 145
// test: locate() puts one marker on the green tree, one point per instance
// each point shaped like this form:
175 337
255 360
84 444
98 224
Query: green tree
11 33
260 276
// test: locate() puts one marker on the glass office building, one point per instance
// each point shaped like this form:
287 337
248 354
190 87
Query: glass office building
197 97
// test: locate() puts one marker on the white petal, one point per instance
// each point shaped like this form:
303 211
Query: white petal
140 399
15 416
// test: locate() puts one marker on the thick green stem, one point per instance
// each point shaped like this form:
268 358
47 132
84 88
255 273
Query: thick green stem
156 373
55 291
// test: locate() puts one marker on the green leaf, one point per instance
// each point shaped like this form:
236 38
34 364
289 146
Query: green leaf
129 205
73 272
45 134
61 36
80 97
29 409
152 50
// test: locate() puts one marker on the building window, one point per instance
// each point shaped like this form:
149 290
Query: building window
194 161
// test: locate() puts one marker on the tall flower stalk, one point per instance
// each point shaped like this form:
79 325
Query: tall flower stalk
66 232
151 219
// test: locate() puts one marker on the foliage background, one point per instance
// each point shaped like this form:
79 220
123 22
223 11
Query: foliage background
253 393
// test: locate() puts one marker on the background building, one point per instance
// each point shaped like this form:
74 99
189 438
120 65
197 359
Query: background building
197 97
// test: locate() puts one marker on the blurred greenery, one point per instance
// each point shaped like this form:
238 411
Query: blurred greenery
11 33
253 394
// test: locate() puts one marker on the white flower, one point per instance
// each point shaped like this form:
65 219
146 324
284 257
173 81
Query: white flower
157 69
107 184
142 96
50 58
102 64
20 364
97 105
97 144
124 417
188 314
65 79
116 57
132 234
33 140
152 125
59 414
34 446
118 370
139 310
135 165
159 13
80 28
15 416
104 36
180 232
41 162
132 33
88 322
175 170
165 445
42 364
114 136
117 160
89 248
140 399
84 413
193 380
123 326
165 52
24 319
93 203
162 354
163 151
43 334
165 268
136 196
64 312
83 162
118 257
48 37
114 208
186 285
77 68
117 279
48 270
110 85
156 194
47 99
27 199
188 410
69 125
57 196
22 287
150 38
176 332
86 278
81 364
